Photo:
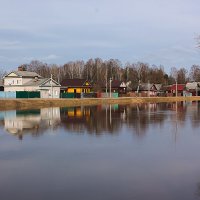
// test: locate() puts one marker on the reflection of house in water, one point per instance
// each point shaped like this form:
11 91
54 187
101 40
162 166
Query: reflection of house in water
100 119
31 121
50 116
93 119
22 121
75 118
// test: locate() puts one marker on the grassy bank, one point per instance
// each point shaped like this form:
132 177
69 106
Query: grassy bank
8 104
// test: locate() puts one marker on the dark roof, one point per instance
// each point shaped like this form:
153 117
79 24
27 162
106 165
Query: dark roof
144 87
166 87
114 84
75 82
147 86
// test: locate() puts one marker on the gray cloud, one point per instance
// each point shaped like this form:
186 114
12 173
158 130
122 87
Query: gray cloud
151 30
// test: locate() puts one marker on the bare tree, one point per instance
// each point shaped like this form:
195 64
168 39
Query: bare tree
39 67
195 73
2 73
99 71
182 76
173 74
156 74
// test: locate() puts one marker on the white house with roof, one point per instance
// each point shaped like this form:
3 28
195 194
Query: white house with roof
193 87
31 81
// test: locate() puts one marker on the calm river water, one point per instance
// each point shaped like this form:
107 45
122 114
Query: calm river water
113 152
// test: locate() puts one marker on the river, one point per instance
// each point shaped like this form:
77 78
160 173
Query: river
104 152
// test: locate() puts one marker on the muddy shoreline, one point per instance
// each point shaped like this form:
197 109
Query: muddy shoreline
10 104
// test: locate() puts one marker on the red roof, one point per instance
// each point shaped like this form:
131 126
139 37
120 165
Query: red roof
180 87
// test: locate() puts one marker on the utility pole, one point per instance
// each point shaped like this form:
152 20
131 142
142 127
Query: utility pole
51 86
176 89
138 87
196 91
106 82
110 86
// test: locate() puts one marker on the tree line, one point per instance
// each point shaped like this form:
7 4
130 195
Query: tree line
99 71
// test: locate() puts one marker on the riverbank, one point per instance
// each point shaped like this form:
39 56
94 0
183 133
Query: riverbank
9 104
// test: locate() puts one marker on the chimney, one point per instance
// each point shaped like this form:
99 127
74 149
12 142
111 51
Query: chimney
22 68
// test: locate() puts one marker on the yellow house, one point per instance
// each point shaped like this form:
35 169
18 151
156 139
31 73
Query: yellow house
76 86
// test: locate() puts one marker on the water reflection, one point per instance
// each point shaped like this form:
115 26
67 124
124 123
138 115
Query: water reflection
19 123
101 152
101 119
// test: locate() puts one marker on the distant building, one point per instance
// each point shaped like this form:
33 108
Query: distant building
76 86
116 87
194 88
170 90
147 89
31 81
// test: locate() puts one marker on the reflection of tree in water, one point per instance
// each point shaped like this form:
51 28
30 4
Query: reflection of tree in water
195 117
110 118
141 116
93 120
101 119
197 193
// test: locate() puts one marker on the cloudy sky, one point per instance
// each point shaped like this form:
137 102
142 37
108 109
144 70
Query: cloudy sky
57 31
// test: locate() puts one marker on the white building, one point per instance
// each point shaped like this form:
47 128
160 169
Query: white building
31 81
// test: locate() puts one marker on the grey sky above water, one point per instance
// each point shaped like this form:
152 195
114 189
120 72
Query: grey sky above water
57 31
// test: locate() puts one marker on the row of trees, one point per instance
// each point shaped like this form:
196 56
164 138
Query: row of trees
99 71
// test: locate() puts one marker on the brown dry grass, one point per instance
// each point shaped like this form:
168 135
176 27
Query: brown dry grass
8 104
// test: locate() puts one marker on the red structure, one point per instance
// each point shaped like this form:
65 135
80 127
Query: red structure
170 90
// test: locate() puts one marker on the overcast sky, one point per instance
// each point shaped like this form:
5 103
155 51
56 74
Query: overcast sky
57 31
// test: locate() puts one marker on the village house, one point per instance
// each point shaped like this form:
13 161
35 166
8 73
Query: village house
71 88
31 82
117 86
147 90
170 90
193 88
